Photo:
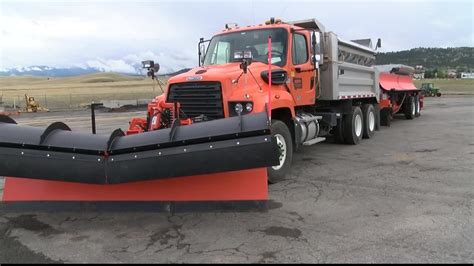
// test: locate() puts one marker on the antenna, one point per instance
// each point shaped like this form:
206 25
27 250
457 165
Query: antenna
284 9
253 14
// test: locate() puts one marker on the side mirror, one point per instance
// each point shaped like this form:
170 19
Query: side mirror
317 57
202 50
379 43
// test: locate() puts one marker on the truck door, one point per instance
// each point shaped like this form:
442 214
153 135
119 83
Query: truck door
301 69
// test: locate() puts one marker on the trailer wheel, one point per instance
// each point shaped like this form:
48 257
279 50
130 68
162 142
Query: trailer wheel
281 132
417 106
410 108
353 126
368 111
385 117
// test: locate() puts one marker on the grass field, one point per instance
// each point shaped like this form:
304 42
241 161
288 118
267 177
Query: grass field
72 92
450 86
75 92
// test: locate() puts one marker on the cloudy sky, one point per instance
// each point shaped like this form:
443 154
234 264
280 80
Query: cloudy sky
113 35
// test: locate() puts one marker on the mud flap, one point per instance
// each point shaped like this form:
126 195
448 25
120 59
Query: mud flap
57 153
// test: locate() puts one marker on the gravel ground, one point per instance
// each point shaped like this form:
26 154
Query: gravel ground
404 196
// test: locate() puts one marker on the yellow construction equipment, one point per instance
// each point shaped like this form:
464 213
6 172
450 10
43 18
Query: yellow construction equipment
32 106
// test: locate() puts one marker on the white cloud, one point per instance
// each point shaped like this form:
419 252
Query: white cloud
442 24
132 63
118 34
111 65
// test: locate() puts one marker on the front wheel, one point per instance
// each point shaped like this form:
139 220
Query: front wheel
285 145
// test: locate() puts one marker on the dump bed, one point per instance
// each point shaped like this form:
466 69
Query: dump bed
347 71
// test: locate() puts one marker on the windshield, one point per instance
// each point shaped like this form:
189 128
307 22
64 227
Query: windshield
222 47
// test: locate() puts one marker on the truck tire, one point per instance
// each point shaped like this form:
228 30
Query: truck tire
438 94
377 117
410 108
353 126
385 117
281 132
368 111
417 106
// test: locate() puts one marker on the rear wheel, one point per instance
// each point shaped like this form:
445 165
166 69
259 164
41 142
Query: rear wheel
410 108
368 111
353 126
285 144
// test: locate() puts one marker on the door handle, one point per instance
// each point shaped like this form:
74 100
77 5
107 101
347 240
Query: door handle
307 69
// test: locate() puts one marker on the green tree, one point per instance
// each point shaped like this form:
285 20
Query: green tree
442 73
429 74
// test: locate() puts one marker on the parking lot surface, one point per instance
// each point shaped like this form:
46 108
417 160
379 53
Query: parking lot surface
404 196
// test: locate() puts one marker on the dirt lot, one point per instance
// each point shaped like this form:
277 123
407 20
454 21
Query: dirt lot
404 196
65 93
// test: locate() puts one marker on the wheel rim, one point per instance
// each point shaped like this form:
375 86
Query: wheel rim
282 147
371 121
358 125
413 108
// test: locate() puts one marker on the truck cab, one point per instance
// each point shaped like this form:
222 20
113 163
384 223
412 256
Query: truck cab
220 69
313 84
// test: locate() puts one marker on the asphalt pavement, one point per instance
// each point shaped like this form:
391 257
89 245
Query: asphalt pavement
405 196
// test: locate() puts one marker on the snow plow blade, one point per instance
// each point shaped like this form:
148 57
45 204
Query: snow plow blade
56 153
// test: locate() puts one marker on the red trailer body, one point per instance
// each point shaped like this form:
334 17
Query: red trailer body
398 94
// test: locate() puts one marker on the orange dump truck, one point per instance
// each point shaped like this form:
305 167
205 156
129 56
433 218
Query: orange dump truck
321 86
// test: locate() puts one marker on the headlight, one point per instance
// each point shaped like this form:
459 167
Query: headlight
249 107
238 108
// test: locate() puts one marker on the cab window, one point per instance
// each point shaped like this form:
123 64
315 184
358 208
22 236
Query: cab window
221 54
300 49
222 47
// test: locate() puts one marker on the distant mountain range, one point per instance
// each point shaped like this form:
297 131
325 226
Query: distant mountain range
184 70
46 71
430 58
